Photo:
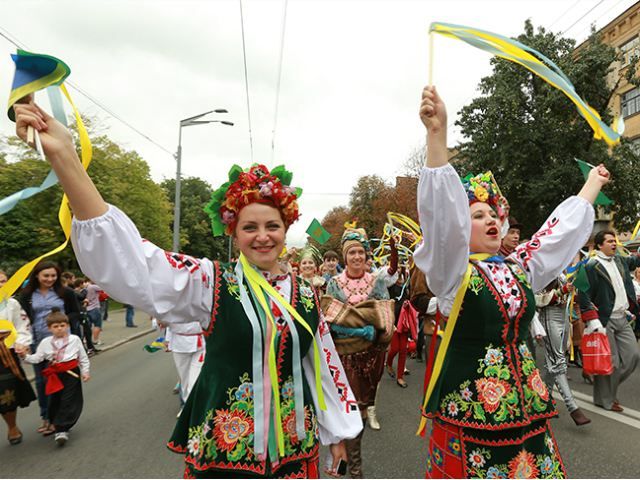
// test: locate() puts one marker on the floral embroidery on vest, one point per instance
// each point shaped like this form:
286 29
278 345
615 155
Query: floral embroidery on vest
229 432
307 298
231 280
524 465
535 390
494 394
476 283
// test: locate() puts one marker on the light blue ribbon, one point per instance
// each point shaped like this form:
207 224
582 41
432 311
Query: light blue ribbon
8 203
258 382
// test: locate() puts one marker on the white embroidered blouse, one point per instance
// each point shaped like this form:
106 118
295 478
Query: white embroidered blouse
445 220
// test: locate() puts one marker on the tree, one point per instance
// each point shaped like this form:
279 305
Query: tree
32 227
333 222
528 133
367 196
196 237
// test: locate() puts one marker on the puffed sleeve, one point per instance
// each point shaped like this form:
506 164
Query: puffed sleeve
445 221
553 247
21 321
341 420
170 286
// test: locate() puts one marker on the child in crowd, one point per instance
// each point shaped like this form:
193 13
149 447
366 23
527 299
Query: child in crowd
330 265
80 288
67 364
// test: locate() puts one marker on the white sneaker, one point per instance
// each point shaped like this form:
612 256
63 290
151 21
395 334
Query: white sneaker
61 438
372 418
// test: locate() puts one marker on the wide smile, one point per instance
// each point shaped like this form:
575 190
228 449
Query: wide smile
263 248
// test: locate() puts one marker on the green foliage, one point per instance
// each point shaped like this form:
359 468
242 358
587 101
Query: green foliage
195 226
32 227
528 133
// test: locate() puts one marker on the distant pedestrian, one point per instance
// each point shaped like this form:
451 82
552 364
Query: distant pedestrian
15 389
92 302
67 364
128 316
80 289
43 293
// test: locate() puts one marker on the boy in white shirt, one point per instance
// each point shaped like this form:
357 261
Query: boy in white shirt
67 364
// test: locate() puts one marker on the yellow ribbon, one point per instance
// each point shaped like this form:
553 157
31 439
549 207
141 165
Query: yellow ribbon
448 333
7 326
262 288
64 213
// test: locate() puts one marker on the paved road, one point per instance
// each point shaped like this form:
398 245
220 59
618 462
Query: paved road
130 412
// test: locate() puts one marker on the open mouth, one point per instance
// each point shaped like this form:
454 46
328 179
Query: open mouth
492 232
263 248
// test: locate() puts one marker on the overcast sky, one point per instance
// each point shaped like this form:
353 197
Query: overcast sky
352 74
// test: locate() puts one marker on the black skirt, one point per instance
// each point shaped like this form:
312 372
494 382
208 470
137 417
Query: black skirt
14 392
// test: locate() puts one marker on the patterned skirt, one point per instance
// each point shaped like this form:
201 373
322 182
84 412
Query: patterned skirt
307 468
14 391
364 371
525 452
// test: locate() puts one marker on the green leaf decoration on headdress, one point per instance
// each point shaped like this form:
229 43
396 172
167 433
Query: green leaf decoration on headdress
283 174
234 173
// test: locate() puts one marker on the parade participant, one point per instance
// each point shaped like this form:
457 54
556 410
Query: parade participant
425 303
489 405
15 389
512 238
38 298
360 315
308 264
67 365
248 413
186 343
552 303
406 328
604 308
331 265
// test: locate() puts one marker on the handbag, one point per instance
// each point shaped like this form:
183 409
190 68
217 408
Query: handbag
596 354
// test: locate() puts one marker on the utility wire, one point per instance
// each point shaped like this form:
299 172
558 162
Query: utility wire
563 14
5 33
587 13
275 114
246 79
599 17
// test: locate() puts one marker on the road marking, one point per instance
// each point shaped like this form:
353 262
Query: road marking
618 417
629 412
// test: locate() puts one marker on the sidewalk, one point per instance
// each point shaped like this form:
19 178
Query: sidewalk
115 333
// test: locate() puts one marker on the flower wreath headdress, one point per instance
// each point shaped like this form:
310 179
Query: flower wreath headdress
484 188
255 185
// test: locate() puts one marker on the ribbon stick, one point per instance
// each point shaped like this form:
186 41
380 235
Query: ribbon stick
55 76
533 61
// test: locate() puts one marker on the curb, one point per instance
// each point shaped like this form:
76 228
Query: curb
128 339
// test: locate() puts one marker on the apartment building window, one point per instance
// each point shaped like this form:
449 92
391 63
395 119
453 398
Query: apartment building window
630 102
629 50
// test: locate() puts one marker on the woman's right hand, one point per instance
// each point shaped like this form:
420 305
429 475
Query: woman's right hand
55 137
433 112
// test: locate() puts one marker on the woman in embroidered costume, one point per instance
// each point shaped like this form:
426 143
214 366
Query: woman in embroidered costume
15 389
308 262
489 405
360 315
272 384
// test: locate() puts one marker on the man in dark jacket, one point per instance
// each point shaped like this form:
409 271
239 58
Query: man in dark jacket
604 308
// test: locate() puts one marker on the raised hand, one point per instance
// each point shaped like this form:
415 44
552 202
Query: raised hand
433 112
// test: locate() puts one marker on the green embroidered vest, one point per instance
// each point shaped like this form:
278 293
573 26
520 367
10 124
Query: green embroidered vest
216 427
489 378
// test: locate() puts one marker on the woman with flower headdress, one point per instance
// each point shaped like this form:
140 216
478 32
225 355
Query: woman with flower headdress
360 316
489 405
308 263
271 387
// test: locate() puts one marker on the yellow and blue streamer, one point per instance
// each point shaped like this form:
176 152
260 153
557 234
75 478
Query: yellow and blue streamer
533 61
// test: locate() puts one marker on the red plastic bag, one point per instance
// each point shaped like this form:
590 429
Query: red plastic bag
596 354
408 320
411 345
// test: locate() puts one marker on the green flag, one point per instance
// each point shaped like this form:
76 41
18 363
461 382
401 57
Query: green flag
318 233
601 199
581 282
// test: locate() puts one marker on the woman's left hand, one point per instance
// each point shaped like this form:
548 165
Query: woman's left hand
338 452
600 174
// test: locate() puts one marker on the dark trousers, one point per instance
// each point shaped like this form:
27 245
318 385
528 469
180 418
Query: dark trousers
43 401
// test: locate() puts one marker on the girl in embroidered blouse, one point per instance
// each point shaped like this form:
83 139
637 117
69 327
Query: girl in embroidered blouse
489 400
247 414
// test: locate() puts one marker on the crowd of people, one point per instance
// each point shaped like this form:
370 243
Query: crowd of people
277 354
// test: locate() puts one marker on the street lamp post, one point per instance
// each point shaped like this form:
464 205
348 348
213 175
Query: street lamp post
187 122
